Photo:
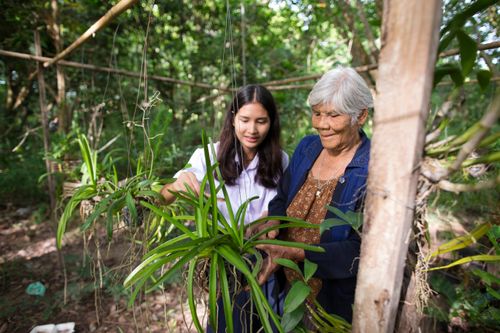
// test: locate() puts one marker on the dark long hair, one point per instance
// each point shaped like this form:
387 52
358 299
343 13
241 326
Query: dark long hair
270 166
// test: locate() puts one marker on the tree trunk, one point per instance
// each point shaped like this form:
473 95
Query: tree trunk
410 36
55 33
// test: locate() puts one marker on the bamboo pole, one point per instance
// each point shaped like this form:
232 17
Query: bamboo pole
410 37
109 70
45 125
116 10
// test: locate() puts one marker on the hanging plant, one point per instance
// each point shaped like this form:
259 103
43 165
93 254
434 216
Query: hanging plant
101 195
217 244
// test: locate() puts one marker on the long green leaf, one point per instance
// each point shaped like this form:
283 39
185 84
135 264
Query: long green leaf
169 243
112 210
82 193
468 51
483 78
226 297
290 319
309 269
211 181
313 248
190 294
89 159
463 241
296 296
481 257
131 208
212 290
170 219
461 17
263 307
288 263
99 209
149 266
196 251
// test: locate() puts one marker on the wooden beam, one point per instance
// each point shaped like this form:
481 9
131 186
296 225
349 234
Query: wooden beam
480 47
109 70
116 10
364 68
410 36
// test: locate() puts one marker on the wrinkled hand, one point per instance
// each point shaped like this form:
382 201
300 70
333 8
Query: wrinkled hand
186 180
275 252
256 228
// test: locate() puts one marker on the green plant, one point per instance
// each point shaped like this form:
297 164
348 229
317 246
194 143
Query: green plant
477 306
465 241
354 219
107 195
295 304
216 242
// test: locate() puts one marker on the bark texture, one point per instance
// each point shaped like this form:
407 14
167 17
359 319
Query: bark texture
410 36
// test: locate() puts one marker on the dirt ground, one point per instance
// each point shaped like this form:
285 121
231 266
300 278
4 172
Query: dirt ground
28 254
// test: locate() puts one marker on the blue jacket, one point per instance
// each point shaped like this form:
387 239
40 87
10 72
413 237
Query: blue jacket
338 265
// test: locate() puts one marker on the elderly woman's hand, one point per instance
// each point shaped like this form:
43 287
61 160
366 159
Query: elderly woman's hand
256 228
275 252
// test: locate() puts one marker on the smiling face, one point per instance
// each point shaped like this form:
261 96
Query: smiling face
335 130
251 125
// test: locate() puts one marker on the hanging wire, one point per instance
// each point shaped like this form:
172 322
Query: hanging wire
228 39
142 80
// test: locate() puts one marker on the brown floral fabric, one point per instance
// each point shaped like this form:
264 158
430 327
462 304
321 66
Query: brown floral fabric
309 204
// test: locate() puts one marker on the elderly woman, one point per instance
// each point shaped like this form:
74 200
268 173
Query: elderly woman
326 169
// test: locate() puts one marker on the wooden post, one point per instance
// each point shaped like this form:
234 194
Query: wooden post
410 36
63 111
45 125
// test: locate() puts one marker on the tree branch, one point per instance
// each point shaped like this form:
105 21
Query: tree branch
488 120
116 10
109 70
484 185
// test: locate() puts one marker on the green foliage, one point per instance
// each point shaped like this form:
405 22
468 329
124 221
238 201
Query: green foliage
354 219
477 306
113 195
216 240
295 303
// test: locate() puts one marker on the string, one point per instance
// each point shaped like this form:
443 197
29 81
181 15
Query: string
239 154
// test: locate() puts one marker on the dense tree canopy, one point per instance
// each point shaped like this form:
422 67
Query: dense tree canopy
181 61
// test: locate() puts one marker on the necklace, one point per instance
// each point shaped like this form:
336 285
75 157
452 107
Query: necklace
320 187
321 184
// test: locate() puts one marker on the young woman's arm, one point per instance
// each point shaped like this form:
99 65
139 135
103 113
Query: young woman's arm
190 177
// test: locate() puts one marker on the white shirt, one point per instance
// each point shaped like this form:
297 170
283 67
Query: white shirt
245 186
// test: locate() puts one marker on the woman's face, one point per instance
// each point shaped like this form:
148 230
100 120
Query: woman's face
335 130
251 125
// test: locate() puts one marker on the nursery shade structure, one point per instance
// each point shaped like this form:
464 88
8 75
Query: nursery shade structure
410 36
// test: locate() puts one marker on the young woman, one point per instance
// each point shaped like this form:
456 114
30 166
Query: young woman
250 157
251 162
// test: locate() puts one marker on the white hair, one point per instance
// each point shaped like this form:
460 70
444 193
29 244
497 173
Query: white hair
343 89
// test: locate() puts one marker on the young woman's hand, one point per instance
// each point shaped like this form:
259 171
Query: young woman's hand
182 183
186 180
